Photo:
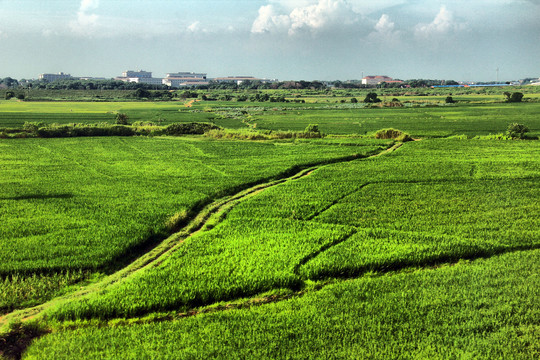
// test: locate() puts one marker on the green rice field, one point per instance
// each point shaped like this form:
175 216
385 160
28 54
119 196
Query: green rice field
337 247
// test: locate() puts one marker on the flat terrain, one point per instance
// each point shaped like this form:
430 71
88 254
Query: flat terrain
337 247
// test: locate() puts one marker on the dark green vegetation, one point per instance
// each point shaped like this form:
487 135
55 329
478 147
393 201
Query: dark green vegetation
429 250
420 116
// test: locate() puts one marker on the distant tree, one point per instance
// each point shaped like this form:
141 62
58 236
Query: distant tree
354 100
122 119
142 93
514 97
372 98
517 131
449 100
312 128
9 95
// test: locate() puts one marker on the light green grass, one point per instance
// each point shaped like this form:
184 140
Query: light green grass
98 203
426 203
486 309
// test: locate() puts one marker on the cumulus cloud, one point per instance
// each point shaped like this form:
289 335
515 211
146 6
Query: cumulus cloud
384 31
443 24
384 25
307 17
269 20
86 22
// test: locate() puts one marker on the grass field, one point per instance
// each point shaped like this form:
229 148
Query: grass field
346 219
193 247
88 204
419 118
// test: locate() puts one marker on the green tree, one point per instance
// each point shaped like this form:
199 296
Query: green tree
449 100
514 97
122 119
517 131
312 128
354 100
372 98
9 94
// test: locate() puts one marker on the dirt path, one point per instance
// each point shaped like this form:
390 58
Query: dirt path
211 214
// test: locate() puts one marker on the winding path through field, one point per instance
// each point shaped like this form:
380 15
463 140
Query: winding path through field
212 213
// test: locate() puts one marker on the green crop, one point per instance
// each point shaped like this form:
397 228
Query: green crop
428 202
486 309
98 203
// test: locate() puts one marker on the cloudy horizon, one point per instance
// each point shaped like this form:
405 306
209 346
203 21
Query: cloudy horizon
293 39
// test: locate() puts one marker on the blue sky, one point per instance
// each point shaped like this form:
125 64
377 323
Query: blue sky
284 39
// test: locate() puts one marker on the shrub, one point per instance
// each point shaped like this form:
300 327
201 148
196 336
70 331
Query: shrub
32 126
449 100
392 134
122 119
312 128
9 95
371 98
514 97
517 131
354 100
189 128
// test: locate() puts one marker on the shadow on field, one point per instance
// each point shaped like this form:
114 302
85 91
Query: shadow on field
38 197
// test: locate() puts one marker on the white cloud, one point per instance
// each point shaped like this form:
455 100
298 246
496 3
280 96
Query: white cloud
269 21
86 23
384 31
306 16
384 25
443 24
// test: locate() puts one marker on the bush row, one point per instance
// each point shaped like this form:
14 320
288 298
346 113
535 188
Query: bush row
79 130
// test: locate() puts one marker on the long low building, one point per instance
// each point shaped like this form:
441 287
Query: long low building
240 79
55 77
378 79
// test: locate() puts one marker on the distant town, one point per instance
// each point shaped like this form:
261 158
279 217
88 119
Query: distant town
173 80
194 79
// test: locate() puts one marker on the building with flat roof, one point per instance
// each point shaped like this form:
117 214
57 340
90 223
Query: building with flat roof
375 80
240 79
186 75
181 79
141 77
54 77
137 74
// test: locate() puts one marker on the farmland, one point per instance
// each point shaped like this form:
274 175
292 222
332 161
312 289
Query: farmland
342 246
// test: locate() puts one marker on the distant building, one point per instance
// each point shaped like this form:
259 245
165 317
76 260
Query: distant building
375 80
137 74
54 77
240 79
141 76
181 79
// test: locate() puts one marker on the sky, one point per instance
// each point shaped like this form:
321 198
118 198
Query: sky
462 40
